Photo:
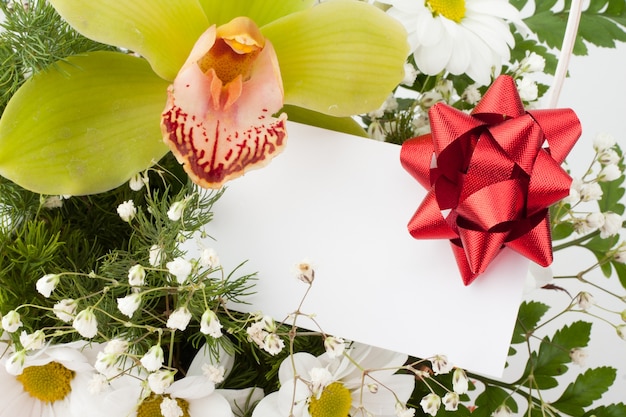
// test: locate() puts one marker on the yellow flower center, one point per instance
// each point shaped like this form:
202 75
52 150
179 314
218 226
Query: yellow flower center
151 406
47 383
335 401
451 9
237 45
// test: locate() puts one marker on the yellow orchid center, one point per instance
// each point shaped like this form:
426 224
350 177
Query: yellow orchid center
151 406
451 9
48 383
335 401
236 47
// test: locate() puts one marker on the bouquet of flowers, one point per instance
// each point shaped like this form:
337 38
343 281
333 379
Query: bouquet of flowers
123 121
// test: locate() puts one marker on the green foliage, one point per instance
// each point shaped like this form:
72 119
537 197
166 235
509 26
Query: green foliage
490 399
587 388
530 312
613 410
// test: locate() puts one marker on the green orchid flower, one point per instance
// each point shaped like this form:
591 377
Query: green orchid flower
206 79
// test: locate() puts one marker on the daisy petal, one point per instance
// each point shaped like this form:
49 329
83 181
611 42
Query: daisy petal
335 65
67 127
163 31
261 11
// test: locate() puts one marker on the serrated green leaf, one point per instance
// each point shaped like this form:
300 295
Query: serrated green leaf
612 193
562 231
587 388
620 269
492 398
600 31
599 247
549 27
544 6
612 410
616 8
595 6
529 314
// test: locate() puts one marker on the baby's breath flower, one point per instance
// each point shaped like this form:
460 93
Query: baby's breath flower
532 63
594 220
32 341
116 346
471 94
209 258
65 309
603 141
431 403
15 364
179 319
304 271
153 359
430 98
129 304
403 411
451 401
97 384
527 89
136 275
608 157
612 224
590 192
585 300
460 383
410 74
46 284
610 172
180 268
441 365
176 210
137 181
273 344
160 380
86 324
170 408
320 379
334 346
620 254
11 321
210 324
502 411
215 374
127 210
106 364
156 256
578 356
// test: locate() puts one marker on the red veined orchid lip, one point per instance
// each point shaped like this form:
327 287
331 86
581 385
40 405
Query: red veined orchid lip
218 120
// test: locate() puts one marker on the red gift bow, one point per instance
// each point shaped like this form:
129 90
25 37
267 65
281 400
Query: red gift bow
490 181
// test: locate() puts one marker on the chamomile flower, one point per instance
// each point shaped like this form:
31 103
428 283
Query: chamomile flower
458 36
342 386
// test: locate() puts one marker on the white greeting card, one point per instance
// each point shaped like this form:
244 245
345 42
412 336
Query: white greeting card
343 203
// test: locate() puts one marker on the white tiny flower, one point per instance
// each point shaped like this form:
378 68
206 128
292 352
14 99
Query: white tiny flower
46 284
209 258
129 304
578 356
612 224
320 379
127 210
170 408
157 256
590 192
431 403
430 98
160 380
215 374
180 268
65 309
86 324
532 63
608 157
403 411
153 359
620 254
410 74
32 341
137 181
97 384
11 321
610 172
594 220
15 364
116 346
256 333
304 271
502 411
106 364
460 382
176 210
390 104
585 300
334 346
441 365
527 89
621 331
574 192
273 344
179 319
52 202
451 401
471 95
210 324
136 275
603 141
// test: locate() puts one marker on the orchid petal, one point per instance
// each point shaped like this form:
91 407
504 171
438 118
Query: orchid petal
83 126
261 11
335 65
338 124
162 31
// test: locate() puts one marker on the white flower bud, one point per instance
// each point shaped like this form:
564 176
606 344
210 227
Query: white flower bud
136 275
612 224
179 319
46 284
451 401
11 321
603 141
160 380
180 268
334 346
431 403
129 304
86 324
65 309
153 359
578 356
176 210
127 210
210 324
609 173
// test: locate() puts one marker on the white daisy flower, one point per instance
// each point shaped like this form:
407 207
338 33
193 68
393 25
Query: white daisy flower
47 382
458 36
344 389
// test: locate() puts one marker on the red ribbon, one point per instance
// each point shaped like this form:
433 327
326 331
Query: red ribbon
491 181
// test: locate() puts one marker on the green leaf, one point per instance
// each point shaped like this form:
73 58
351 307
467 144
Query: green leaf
544 5
490 399
340 58
553 355
620 269
261 11
612 193
612 410
530 312
312 118
587 388
600 31
599 247
162 31
83 126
